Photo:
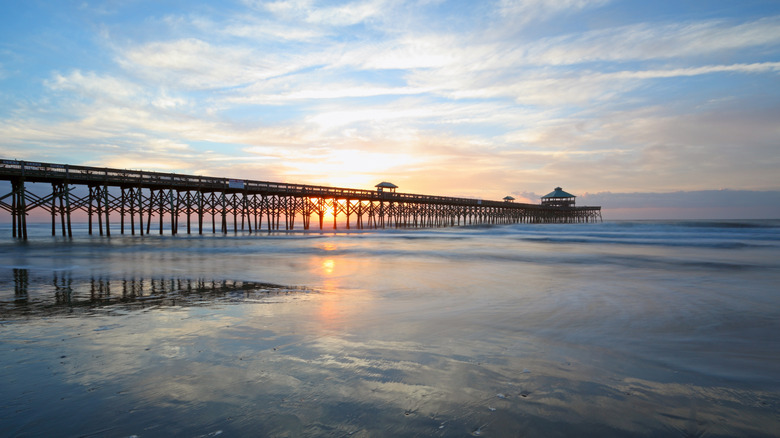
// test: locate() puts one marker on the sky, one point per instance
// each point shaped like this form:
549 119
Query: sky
662 109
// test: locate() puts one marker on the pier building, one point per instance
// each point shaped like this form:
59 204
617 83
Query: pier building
559 198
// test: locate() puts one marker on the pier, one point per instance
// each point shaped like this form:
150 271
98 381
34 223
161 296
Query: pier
141 202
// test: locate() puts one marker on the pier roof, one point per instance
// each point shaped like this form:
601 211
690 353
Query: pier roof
558 193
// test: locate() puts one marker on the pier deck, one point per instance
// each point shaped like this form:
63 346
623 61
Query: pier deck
140 198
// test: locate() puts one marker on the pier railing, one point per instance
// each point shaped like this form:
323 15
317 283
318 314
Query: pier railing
159 195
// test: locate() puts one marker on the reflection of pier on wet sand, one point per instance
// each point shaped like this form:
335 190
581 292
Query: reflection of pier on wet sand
61 293
144 197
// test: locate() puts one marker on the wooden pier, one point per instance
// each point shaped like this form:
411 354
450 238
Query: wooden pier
132 201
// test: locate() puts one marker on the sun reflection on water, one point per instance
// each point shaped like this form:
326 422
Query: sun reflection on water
328 266
331 309
340 304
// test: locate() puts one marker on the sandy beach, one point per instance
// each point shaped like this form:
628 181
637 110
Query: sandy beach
614 329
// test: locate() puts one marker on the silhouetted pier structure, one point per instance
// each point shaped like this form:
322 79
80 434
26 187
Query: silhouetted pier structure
139 198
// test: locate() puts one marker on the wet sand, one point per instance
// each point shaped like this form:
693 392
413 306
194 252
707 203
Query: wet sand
437 334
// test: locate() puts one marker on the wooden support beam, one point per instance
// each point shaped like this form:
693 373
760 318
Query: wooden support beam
105 198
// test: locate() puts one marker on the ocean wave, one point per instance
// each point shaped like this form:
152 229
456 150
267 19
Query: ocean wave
668 244
645 241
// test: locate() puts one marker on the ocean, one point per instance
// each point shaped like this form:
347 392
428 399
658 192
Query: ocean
615 329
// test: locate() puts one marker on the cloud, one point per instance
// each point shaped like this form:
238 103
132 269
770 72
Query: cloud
197 64
701 198
710 204
306 10
543 72
725 144
295 90
94 86
250 29
645 41
451 65
416 51
546 88
526 11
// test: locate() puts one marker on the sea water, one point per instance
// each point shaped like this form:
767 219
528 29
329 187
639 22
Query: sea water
609 329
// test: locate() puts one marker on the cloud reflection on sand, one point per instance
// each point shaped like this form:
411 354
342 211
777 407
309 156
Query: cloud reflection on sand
331 383
272 368
398 334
